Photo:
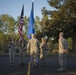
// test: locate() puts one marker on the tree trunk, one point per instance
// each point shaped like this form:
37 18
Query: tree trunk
74 42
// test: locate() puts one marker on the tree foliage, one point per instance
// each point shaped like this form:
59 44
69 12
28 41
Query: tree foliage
9 27
63 19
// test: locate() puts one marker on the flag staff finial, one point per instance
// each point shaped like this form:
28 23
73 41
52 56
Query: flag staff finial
32 0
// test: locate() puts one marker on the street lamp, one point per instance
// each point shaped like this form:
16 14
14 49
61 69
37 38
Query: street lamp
44 14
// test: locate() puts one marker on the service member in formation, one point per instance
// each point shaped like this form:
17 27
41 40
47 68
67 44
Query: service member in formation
12 50
33 49
63 48
22 49
43 51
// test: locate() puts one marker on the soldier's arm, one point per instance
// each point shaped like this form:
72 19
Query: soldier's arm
28 47
40 45
65 45
25 45
9 46
47 48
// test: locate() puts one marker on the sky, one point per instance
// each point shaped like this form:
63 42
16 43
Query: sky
14 7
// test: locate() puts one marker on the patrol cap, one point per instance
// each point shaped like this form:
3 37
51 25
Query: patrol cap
32 35
43 39
61 34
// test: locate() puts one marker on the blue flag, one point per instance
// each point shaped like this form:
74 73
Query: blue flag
31 29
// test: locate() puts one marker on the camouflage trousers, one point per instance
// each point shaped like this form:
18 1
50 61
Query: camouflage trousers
11 55
22 55
43 55
34 56
62 60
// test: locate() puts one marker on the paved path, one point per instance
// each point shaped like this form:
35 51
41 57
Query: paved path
49 69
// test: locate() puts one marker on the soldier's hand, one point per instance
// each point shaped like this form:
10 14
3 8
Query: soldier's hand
65 51
28 51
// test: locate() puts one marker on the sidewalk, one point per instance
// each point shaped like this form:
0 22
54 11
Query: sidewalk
50 54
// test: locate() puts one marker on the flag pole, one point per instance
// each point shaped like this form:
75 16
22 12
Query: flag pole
31 29
21 22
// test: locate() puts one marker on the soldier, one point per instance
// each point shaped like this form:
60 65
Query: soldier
33 47
43 50
63 46
12 50
22 48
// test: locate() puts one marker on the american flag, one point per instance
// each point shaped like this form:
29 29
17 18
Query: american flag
21 22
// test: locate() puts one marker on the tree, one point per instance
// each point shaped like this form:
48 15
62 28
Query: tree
8 23
63 19
45 23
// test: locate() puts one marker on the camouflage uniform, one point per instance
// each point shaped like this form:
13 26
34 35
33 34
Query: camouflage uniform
63 46
12 50
43 52
22 48
33 47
